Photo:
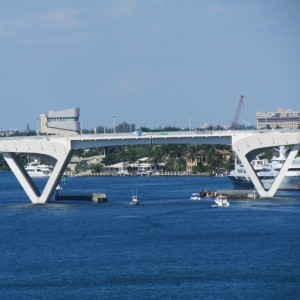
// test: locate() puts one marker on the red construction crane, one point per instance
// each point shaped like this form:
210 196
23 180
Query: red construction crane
237 113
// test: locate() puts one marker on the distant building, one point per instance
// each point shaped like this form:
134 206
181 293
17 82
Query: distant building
60 122
285 119
7 132
199 159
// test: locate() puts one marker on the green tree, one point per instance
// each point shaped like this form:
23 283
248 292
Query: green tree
82 166
125 127
96 167
214 158
180 164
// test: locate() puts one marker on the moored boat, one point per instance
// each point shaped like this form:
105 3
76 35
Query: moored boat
35 169
239 177
267 172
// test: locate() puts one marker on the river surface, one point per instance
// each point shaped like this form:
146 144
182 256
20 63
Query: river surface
168 247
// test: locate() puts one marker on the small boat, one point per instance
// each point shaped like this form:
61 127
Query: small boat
134 199
222 201
195 196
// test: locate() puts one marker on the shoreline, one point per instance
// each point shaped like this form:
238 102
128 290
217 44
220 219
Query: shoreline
165 174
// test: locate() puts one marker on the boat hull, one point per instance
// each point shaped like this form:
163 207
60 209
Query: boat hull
288 183
241 183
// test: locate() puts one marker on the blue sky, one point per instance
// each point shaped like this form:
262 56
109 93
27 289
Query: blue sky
148 62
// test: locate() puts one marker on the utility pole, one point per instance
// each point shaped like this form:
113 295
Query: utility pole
114 124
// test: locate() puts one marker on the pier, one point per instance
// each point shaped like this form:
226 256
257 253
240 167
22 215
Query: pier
239 194
95 197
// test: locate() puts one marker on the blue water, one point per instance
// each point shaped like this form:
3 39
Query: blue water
166 248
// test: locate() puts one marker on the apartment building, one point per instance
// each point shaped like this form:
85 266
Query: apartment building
285 119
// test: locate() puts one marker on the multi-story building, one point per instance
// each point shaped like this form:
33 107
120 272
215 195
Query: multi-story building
60 122
285 119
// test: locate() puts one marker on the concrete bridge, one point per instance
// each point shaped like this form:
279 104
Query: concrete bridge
58 150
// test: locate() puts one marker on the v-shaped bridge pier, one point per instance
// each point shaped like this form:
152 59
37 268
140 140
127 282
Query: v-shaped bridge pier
57 153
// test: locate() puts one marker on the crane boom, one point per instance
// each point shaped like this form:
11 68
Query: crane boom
237 113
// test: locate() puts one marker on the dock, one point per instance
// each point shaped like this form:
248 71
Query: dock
239 194
233 194
95 197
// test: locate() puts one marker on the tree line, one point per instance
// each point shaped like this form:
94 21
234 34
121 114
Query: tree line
174 157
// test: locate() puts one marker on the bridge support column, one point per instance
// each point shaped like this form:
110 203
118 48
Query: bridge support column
22 176
284 169
55 177
253 176
242 151
35 196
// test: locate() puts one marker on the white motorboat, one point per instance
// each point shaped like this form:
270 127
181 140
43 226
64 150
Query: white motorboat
135 200
144 173
195 196
123 173
35 169
221 200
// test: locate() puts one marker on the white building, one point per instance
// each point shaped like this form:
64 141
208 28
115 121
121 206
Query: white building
285 119
60 122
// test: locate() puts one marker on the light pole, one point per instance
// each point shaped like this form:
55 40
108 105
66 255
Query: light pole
37 126
114 124
190 122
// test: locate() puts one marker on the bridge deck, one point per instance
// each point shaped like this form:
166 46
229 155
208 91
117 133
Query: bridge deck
59 150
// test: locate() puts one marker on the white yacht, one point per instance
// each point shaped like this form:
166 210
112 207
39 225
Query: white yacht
239 176
35 169
267 172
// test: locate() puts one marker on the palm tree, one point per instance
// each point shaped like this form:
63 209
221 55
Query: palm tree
214 158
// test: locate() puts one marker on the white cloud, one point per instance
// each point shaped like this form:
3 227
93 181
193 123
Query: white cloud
120 8
159 27
127 84
226 9
54 26
62 18
52 19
